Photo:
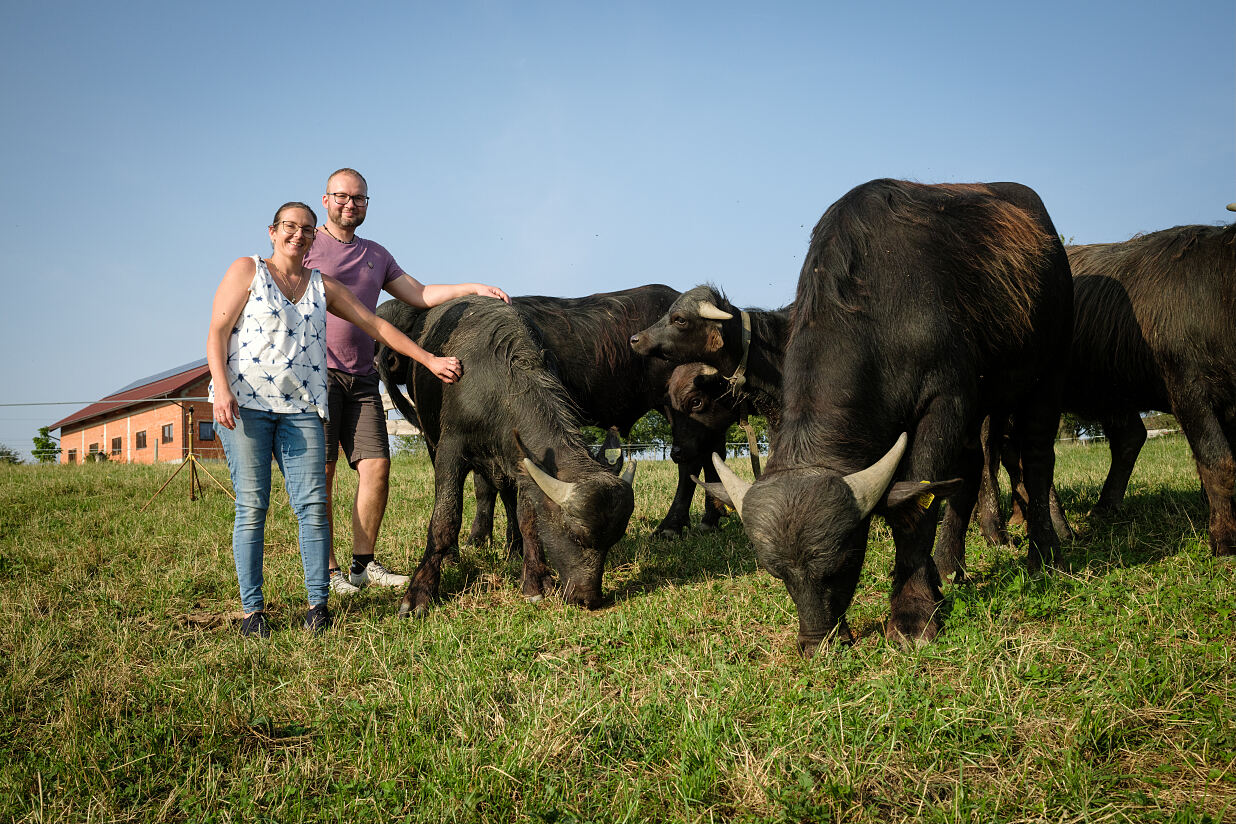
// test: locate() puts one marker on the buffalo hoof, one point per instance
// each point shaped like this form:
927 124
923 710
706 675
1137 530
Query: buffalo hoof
669 532
703 527
534 599
406 610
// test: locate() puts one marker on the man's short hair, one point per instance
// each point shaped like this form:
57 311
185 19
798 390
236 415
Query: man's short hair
347 171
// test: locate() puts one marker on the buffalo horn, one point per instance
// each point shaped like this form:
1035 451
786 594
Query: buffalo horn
707 310
870 484
559 492
628 473
1231 207
735 486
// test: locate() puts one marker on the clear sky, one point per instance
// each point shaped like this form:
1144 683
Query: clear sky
557 148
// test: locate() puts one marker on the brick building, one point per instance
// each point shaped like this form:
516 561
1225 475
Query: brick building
145 422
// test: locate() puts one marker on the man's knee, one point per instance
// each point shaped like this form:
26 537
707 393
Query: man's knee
374 473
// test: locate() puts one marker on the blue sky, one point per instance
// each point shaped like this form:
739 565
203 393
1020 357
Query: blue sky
557 148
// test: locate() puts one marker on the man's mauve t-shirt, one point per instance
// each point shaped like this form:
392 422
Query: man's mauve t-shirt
365 268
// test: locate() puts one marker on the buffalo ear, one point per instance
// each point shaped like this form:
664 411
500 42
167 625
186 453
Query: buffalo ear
917 493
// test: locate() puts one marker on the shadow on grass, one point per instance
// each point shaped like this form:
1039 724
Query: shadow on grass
693 557
1148 528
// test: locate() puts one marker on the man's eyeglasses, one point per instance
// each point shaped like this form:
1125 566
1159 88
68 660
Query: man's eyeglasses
292 228
341 199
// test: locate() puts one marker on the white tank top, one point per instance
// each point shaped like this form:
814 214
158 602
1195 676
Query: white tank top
276 354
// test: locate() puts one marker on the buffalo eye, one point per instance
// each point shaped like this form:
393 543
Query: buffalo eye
678 320
696 404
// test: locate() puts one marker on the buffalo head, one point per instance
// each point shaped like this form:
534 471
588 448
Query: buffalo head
809 527
690 331
581 511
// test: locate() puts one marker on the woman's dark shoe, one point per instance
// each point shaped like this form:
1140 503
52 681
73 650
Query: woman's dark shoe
255 624
317 619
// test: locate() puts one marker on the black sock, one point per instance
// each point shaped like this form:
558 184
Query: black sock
359 562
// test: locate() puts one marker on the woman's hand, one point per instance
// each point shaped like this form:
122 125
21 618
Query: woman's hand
226 407
448 369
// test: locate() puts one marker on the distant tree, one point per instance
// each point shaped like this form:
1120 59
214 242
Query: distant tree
409 444
46 450
593 435
653 428
8 456
737 434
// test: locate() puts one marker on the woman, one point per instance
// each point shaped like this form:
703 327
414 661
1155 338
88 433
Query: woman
267 354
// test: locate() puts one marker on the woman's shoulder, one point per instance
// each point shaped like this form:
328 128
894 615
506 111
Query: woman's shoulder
244 265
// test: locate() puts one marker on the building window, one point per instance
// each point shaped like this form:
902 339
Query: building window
115 446
141 439
206 430
72 456
167 433
94 449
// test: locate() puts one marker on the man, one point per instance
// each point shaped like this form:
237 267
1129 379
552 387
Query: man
357 421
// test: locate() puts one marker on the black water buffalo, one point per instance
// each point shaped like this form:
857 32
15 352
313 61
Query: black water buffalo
1153 329
920 309
746 345
510 419
735 364
584 341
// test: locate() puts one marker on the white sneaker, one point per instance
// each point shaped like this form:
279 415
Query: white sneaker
376 574
340 584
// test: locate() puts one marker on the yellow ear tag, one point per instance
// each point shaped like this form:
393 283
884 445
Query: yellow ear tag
925 500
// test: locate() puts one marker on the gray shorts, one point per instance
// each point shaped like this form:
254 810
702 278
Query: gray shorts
357 420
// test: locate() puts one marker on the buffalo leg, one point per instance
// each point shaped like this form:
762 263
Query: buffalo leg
510 504
950 554
444 524
991 518
936 447
916 594
483 522
1034 439
1215 466
537 579
1126 434
679 516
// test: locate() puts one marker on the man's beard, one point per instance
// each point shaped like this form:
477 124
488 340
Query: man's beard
348 222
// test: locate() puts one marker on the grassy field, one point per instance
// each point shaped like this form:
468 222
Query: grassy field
1105 693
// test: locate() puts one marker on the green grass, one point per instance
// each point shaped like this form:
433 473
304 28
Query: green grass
1105 692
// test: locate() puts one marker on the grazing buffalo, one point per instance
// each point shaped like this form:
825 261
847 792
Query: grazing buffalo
511 420
1153 330
584 341
920 309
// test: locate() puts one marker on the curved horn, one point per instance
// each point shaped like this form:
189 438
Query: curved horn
735 486
1231 207
870 484
628 472
559 492
707 310
705 369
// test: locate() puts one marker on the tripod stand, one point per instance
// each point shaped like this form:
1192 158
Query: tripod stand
191 460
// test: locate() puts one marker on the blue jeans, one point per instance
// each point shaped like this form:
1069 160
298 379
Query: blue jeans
297 443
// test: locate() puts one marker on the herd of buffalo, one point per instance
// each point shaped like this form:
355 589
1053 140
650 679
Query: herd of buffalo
937 332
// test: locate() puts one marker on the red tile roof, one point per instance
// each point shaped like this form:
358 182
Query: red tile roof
158 387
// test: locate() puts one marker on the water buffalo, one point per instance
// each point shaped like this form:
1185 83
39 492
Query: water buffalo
584 341
920 309
1153 330
510 419
746 345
